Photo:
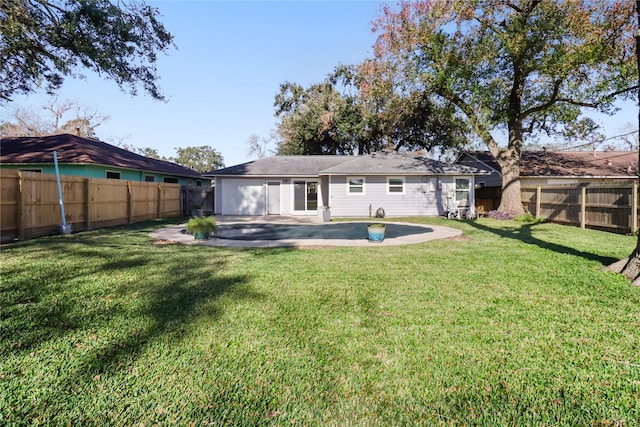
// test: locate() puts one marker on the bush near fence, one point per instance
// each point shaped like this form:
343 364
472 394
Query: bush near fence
612 207
30 205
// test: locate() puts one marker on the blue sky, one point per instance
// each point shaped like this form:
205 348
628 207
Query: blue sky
232 57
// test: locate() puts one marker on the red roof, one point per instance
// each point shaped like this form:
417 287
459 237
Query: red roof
72 149
572 163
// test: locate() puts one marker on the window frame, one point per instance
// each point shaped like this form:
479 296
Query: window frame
403 186
108 172
350 186
459 191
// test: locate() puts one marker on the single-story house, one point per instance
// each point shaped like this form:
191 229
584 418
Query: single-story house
554 168
560 167
351 186
91 158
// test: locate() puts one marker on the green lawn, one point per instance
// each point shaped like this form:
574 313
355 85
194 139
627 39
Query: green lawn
510 325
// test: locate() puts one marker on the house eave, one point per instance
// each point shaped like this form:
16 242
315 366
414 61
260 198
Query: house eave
34 165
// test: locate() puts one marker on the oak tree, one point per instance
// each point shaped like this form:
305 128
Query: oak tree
516 68
44 41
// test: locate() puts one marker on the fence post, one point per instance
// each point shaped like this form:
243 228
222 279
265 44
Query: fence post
20 213
129 203
538 197
583 208
634 208
159 203
87 204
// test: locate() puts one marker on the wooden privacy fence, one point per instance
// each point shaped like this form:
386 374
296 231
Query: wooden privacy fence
611 207
30 205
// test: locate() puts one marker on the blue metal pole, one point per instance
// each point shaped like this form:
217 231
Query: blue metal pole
55 162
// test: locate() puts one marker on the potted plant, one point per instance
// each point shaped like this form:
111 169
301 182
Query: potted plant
202 227
376 232
326 213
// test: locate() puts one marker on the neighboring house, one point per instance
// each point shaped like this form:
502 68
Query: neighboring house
561 167
353 186
555 168
91 158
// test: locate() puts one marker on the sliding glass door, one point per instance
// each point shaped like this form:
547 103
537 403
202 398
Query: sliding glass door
305 196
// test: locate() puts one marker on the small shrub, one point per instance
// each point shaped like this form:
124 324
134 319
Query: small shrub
201 224
525 217
500 215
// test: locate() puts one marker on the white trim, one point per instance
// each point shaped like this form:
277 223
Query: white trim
397 193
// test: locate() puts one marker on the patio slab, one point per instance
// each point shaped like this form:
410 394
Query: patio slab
283 231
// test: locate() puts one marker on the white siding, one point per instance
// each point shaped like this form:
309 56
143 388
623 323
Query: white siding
423 196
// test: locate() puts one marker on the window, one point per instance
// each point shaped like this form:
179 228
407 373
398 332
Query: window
462 189
395 185
113 175
31 170
171 180
355 185
148 178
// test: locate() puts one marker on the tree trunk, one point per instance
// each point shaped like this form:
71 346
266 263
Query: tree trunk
510 201
629 267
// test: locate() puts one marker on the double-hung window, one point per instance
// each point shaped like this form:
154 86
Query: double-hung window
355 185
462 190
395 185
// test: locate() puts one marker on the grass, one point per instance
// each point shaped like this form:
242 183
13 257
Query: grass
514 324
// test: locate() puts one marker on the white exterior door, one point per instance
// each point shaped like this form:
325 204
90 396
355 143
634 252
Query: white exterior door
273 198
243 197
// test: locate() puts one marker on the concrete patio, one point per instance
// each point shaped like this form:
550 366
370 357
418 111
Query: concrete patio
404 234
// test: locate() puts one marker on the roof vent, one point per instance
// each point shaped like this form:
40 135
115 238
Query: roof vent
608 162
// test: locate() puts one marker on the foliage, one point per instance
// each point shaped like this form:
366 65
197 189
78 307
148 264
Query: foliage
202 159
518 68
342 116
61 117
376 225
44 41
528 217
319 120
202 224
107 327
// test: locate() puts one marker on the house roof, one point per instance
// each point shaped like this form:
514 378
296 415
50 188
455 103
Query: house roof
283 166
571 163
72 149
380 163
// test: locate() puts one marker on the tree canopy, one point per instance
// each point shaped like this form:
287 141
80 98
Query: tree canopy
515 67
343 115
44 41
201 159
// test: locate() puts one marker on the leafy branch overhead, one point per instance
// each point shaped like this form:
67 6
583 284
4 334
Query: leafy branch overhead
42 42
523 68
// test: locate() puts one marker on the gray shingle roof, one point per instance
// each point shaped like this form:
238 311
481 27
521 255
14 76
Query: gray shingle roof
283 166
392 163
381 163
571 163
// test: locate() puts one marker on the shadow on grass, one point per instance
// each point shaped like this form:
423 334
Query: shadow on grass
106 296
525 234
